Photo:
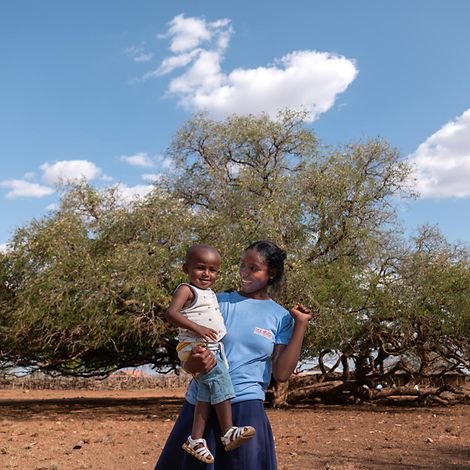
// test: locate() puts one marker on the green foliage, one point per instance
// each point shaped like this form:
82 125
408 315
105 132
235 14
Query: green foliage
423 306
91 282
84 288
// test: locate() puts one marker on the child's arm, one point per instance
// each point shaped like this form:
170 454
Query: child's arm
285 357
182 297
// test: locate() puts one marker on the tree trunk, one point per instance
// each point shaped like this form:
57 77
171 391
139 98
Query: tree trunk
315 390
345 364
280 394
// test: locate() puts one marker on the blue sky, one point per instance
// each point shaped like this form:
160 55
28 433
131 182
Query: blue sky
98 89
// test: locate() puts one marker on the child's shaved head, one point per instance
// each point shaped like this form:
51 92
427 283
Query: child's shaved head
198 251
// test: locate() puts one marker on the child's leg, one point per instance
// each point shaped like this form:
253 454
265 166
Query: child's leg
224 415
201 416
232 436
195 444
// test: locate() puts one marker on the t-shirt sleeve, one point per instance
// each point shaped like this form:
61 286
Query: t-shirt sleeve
222 297
223 300
284 332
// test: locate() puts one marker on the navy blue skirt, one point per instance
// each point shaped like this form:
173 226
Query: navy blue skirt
256 454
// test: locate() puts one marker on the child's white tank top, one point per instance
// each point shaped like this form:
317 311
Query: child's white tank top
204 310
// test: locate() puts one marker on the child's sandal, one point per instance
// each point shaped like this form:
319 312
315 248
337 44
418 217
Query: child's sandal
235 437
198 448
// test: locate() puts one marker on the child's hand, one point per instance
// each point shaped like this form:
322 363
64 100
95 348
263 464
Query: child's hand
301 313
208 334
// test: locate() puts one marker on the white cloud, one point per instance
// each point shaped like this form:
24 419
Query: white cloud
131 193
234 169
138 54
171 63
143 160
69 170
189 33
29 175
143 57
166 163
106 178
151 177
65 170
203 77
300 80
4 247
139 159
442 162
52 207
23 188
304 79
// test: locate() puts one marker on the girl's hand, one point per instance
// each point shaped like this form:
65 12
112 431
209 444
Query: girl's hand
201 360
301 313
208 334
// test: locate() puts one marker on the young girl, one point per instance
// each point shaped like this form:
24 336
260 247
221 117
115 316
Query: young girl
262 339
194 309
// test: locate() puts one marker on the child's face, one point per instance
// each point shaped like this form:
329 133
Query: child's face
202 268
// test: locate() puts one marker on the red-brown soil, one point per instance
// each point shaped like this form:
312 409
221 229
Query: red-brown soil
125 430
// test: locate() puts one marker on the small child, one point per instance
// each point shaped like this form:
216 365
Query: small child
195 310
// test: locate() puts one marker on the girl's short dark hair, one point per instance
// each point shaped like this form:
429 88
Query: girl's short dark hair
274 257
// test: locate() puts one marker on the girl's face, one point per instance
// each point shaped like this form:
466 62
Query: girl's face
255 275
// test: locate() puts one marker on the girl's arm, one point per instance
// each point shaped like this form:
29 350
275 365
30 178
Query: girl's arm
182 297
285 357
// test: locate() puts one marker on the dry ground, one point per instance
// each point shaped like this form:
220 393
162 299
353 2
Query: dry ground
105 430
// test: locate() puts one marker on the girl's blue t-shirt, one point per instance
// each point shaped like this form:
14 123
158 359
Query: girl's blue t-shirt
253 328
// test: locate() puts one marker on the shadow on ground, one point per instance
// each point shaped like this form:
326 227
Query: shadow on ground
91 408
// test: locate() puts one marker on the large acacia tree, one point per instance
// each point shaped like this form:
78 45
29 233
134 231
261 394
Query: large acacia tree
83 288
330 208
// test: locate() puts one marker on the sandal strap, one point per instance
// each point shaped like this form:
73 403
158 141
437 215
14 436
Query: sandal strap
234 433
199 446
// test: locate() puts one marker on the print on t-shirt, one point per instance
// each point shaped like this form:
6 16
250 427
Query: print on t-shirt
265 333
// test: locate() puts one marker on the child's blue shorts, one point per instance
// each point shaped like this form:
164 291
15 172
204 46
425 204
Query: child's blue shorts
215 386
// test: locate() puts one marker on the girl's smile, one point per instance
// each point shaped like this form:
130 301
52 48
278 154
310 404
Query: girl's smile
255 275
